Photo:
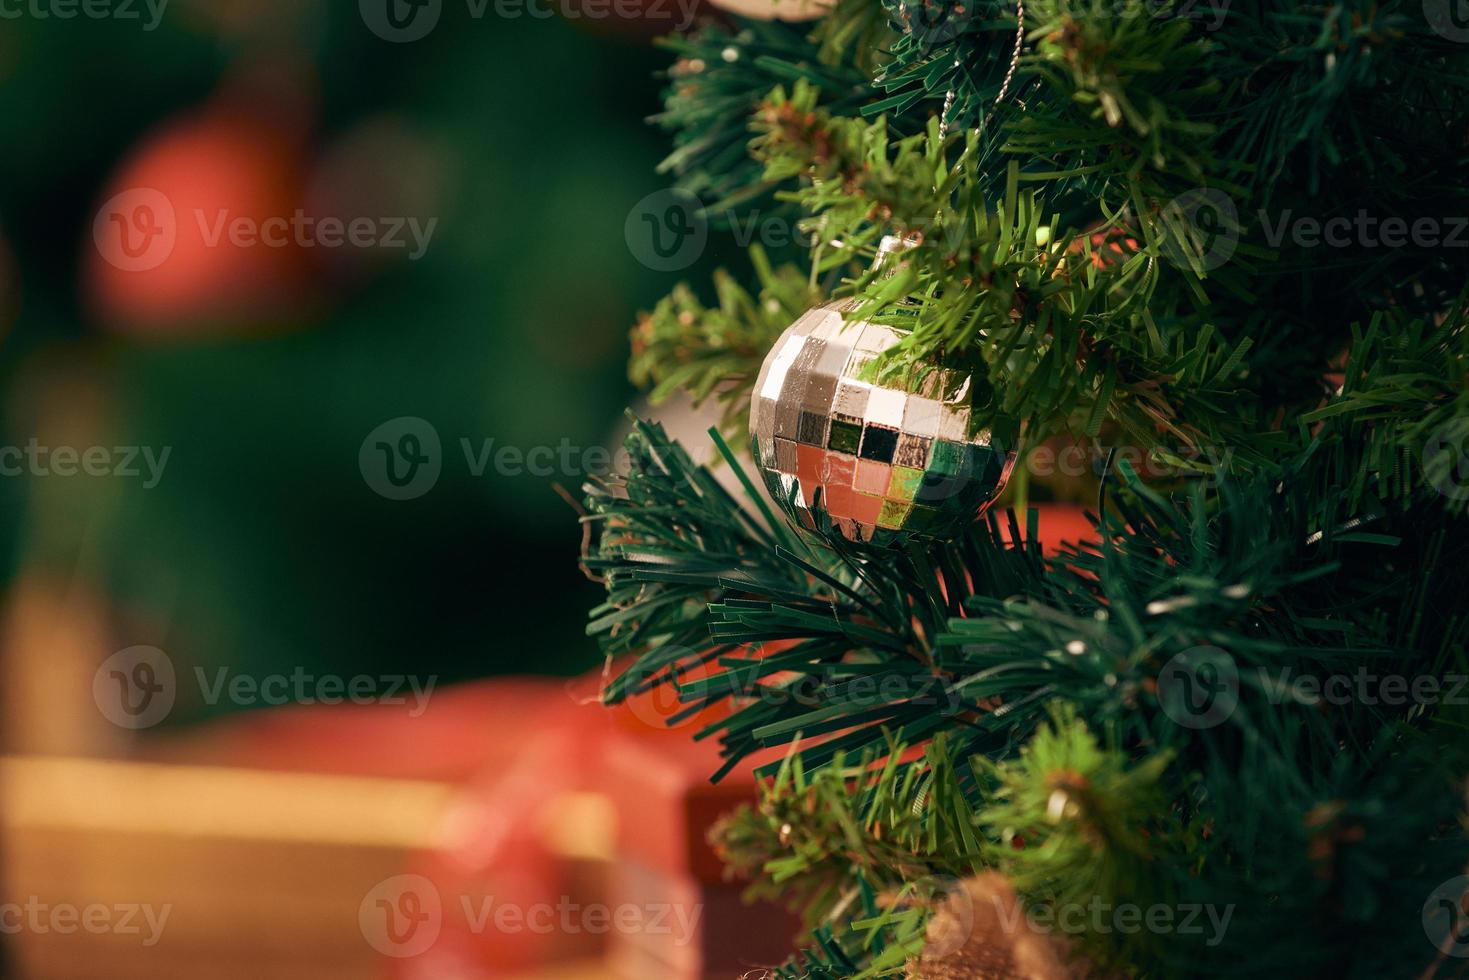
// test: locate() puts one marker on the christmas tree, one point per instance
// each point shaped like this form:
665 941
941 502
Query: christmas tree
1223 247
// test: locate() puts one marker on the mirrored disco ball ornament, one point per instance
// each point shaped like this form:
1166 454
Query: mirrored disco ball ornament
885 461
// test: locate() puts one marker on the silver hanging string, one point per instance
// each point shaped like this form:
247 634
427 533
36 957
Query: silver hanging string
948 105
1004 86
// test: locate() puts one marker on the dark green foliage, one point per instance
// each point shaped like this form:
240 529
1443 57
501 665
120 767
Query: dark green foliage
716 351
883 654
1116 245
719 80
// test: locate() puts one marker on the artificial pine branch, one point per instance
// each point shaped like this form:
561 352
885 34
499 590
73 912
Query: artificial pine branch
719 79
938 701
683 345
694 581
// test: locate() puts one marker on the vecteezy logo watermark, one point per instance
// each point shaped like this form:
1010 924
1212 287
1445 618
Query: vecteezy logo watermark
1446 459
1202 229
933 24
138 687
1448 18
136 230
1199 688
402 916
402 458
135 688
1210 12
403 21
666 230
1446 917
64 461
88 9
65 919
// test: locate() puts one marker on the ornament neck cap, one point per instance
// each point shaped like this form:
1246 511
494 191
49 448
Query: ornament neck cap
892 245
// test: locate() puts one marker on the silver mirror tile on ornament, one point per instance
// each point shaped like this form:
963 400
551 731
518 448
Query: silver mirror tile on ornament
884 462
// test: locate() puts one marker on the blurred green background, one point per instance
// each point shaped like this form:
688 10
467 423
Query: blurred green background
262 547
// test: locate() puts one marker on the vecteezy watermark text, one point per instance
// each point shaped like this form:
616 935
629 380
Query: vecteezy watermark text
302 687
403 458
125 462
305 231
405 21
64 918
123 10
1203 229
1209 13
660 703
138 229
1364 686
1100 917
667 230
1364 230
963 908
1078 459
1200 687
402 916
137 688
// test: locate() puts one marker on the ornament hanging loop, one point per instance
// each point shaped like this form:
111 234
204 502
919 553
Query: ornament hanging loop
1004 86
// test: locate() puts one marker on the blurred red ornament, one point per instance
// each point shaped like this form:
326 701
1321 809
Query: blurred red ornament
1109 247
198 232
1057 524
